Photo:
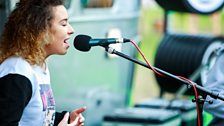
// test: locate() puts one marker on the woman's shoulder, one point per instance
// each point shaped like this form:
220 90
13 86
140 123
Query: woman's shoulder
15 65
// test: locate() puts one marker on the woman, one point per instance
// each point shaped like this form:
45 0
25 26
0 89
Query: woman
35 30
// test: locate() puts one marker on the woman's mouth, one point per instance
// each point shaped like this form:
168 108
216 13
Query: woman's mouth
66 42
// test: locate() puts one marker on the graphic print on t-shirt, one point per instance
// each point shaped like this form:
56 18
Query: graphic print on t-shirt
48 104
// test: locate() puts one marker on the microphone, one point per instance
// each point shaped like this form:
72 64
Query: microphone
85 42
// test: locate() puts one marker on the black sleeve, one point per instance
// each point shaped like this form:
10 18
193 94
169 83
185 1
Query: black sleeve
16 91
58 117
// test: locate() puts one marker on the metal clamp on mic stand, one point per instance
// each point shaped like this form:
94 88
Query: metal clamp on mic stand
200 99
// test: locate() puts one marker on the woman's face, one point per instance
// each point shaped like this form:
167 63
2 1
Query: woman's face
60 31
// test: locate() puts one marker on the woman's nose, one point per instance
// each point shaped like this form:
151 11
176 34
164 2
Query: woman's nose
70 29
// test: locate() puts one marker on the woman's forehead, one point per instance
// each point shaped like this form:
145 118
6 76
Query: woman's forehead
60 12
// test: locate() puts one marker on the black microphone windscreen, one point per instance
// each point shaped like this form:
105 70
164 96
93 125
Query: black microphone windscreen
81 42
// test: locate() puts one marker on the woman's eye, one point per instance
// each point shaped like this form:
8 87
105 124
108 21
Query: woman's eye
64 24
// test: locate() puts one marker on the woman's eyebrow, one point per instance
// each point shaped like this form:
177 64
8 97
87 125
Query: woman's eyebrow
65 19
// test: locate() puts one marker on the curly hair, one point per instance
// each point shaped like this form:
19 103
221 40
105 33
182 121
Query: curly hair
27 30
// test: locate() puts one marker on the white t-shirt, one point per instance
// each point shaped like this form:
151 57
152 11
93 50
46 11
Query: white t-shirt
40 111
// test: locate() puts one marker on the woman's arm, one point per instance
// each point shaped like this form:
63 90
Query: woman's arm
16 91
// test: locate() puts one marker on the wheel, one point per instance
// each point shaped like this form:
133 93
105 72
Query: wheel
182 55
192 6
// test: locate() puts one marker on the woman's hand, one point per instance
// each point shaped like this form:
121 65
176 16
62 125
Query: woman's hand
64 121
76 118
78 114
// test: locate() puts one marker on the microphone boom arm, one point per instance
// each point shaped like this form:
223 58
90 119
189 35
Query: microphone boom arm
206 91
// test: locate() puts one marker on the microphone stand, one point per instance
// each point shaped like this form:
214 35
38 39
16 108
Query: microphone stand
200 99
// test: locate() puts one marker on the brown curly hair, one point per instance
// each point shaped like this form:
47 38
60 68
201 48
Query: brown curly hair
27 30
